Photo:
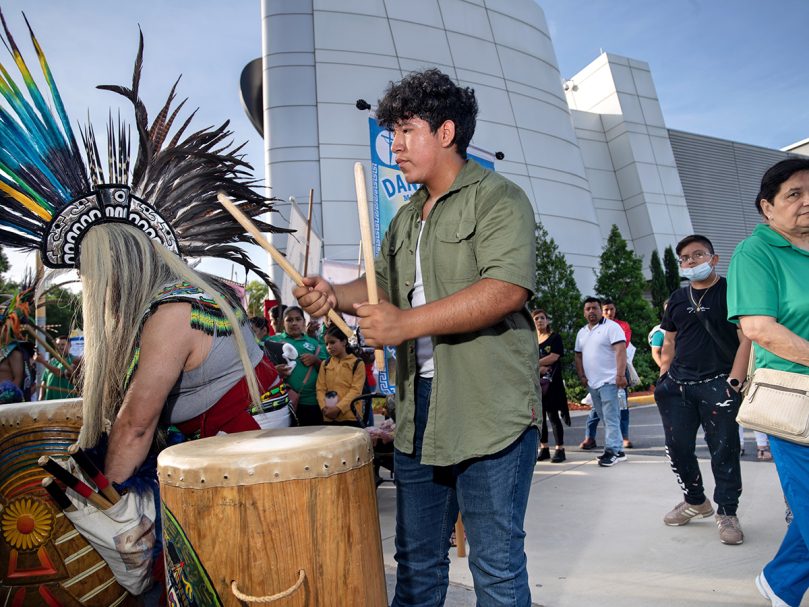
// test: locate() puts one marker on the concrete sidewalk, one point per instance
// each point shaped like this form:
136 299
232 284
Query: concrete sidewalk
595 536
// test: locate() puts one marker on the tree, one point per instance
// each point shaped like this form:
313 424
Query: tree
257 292
556 291
672 267
621 279
62 311
658 285
6 286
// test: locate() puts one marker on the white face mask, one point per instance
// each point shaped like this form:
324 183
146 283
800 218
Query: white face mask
700 272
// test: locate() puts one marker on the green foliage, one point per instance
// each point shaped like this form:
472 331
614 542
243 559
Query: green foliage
573 388
63 311
257 292
658 286
621 279
672 268
556 290
62 307
557 293
645 366
6 286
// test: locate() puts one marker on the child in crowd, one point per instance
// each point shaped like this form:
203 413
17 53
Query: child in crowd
341 380
302 378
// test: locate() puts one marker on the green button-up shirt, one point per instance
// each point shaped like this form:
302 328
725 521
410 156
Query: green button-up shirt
485 390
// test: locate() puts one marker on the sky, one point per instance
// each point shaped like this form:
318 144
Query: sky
727 68
734 69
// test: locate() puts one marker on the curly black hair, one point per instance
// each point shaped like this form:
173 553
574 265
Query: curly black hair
432 96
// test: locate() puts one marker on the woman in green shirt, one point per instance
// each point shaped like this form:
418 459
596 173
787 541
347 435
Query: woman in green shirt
767 297
302 377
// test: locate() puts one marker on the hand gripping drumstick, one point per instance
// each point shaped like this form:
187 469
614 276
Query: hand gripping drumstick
367 248
275 254
90 469
71 481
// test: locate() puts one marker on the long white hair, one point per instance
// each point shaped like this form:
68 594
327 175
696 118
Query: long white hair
121 271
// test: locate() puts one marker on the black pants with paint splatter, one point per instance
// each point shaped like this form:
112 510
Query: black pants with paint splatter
712 405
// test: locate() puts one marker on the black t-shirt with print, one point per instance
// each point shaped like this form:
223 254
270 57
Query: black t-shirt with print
697 355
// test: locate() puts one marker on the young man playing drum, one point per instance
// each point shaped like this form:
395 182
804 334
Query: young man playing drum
455 271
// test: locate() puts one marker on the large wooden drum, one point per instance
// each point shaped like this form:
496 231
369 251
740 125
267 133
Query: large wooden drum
288 513
43 559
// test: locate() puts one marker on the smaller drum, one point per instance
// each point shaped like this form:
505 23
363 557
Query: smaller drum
43 559
244 514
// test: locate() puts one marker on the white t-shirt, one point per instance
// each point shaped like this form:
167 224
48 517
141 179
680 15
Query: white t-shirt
424 345
597 354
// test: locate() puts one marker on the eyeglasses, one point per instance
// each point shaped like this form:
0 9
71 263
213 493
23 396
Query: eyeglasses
698 256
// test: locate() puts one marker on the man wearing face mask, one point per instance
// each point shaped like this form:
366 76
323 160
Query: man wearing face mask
700 380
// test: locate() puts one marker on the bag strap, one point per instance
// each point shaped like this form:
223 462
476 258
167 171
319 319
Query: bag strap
722 346
751 367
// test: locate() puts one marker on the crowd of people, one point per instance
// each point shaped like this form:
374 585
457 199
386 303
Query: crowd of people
703 348
18 372
323 373
479 382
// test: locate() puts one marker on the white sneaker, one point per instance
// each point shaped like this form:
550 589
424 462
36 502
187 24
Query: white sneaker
767 592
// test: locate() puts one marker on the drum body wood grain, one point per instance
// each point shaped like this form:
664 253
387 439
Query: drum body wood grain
43 559
259 507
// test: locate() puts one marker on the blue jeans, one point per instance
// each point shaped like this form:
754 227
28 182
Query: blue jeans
605 404
788 571
491 493
593 419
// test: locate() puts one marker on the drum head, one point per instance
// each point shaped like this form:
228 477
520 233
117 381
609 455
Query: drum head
20 414
264 456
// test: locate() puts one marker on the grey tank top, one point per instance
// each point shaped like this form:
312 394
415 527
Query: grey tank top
199 389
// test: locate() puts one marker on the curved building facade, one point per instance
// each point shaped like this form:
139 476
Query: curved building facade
590 151
320 57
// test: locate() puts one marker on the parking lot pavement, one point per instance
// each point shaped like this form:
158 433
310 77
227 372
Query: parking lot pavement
595 536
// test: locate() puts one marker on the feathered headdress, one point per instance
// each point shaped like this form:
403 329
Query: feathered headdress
51 195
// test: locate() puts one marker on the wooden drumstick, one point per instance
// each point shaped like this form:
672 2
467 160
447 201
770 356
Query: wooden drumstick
89 468
308 231
74 483
367 248
278 258
55 491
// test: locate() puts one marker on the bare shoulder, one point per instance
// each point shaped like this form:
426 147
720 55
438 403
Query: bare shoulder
170 312
170 322
168 331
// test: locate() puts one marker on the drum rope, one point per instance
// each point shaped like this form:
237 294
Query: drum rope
270 598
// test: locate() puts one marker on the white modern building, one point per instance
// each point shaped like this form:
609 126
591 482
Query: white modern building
590 150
